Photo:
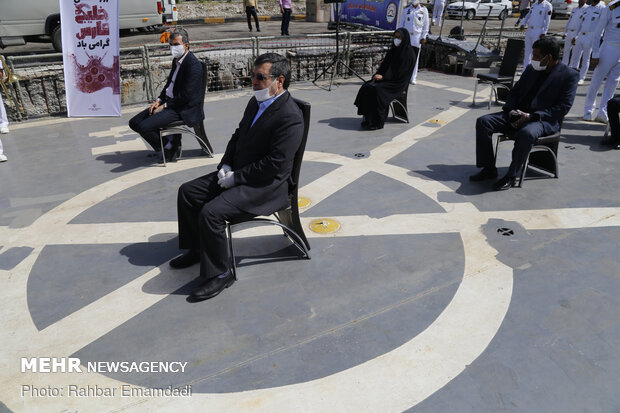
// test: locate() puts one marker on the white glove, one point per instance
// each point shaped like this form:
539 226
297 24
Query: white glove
228 181
222 172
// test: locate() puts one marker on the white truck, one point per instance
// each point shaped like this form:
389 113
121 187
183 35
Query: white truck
24 20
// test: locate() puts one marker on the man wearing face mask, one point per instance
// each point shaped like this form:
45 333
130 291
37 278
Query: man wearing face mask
252 179
181 99
535 107
414 18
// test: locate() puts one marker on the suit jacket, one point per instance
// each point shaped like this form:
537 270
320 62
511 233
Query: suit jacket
262 156
187 91
554 98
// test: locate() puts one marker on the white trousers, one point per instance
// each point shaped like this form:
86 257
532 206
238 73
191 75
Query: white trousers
608 66
415 42
531 35
438 12
568 46
4 121
582 50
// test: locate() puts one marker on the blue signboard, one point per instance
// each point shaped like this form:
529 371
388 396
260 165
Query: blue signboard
377 13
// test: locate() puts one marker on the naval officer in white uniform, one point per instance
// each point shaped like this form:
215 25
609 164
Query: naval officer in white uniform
607 59
537 22
585 39
438 6
570 31
414 18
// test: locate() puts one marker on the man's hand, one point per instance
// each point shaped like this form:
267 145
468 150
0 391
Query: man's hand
228 181
522 28
522 120
377 77
222 172
155 107
281 9
422 41
594 62
574 41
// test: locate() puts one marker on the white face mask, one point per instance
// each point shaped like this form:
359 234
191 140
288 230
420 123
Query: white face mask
263 94
537 66
397 42
177 50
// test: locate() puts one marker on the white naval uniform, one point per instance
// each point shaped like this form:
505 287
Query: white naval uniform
415 20
585 38
609 63
438 7
570 31
537 22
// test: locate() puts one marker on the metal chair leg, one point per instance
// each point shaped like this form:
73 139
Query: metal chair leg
161 143
231 251
473 101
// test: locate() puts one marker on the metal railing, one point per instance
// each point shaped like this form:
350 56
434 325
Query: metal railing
144 69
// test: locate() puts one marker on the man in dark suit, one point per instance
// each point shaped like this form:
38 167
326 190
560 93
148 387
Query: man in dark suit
252 179
181 99
535 107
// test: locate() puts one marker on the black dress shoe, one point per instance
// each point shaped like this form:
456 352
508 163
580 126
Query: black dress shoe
611 142
188 259
506 182
211 288
486 173
171 154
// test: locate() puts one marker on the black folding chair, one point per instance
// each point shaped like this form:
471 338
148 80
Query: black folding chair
504 79
543 157
288 217
399 107
198 131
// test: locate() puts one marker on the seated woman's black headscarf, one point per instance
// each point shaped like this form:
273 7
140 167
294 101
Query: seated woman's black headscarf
373 98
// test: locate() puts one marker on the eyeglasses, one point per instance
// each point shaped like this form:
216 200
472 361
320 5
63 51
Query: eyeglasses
259 76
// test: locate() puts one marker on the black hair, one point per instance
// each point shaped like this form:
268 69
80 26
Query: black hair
280 66
548 45
180 32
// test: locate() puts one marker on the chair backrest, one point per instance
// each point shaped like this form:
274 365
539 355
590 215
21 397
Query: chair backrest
299 155
512 57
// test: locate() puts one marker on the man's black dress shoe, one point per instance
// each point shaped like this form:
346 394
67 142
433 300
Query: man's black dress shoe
486 173
611 142
211 288
506 182
171 154
188 259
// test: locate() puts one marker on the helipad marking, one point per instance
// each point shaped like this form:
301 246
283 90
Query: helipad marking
394 381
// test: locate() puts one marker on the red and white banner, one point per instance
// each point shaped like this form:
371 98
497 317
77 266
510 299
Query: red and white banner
91 57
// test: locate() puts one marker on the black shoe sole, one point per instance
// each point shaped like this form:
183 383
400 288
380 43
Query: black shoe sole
193 298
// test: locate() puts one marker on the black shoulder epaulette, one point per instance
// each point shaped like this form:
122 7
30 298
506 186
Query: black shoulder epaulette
614 5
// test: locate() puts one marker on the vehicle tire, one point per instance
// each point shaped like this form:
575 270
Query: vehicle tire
470 14
57 39
503 15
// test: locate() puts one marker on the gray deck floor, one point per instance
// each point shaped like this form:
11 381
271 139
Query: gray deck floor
420 302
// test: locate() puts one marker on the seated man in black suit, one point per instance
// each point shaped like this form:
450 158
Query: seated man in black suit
181 99
535 107
252 179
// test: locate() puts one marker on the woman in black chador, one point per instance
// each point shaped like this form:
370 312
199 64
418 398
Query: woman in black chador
374 97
